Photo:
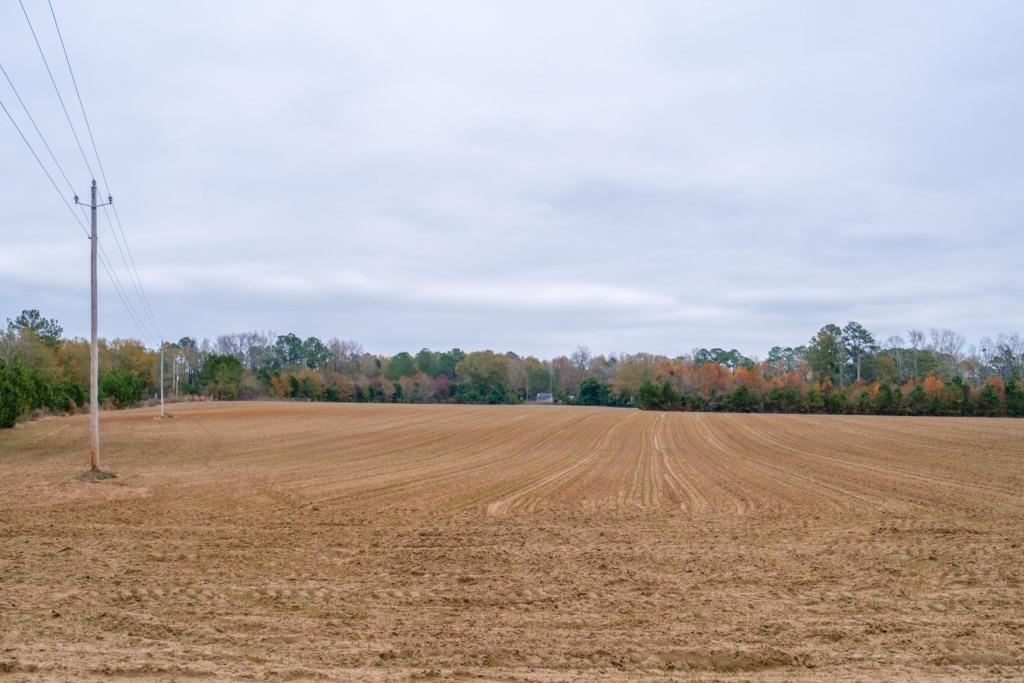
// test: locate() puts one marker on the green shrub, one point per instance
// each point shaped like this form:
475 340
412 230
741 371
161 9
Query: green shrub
1014 399
990 404
785 400
594 392
742 399
836 403
16 393
122 386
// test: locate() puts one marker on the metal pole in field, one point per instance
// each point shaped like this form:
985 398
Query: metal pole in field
162 379
94 350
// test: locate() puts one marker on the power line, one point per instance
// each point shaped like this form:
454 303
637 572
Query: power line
135 282
78 94
122 292
103 255
43 167
56 89
38 132
133 271
122 295
42 137
128 260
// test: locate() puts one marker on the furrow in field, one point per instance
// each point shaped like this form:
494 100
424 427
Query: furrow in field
679 468
701 462
601 485
793 469
576 460
766 486
497 460
876 467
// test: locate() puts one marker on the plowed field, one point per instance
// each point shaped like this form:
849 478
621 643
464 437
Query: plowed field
385 542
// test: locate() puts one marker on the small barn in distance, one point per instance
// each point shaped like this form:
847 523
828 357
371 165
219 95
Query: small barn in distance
545 398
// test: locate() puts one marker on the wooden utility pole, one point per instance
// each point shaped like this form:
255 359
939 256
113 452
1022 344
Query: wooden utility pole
162 379
94 350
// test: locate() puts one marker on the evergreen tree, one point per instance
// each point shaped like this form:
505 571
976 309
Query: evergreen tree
1014 399
122 386
917 401
648 396
889 401
742 400
594 392
826 353
836 403
15 393
990 404
858 344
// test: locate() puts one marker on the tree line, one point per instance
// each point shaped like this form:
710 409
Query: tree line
842 369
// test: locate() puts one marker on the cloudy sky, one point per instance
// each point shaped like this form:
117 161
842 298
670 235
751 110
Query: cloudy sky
529 176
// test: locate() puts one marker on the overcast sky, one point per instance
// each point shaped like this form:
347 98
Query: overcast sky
529 176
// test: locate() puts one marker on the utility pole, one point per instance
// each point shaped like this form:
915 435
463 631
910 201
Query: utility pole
162 379
94 351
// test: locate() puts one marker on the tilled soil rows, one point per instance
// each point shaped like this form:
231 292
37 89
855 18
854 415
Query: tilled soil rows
387 542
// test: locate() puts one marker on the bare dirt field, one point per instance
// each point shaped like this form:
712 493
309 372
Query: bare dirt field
389 542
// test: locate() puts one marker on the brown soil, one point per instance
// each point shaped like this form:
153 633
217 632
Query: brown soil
292 541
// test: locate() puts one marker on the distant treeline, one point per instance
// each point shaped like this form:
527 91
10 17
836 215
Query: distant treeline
840 370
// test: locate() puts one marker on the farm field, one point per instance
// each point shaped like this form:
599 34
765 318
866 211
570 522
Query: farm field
387 542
